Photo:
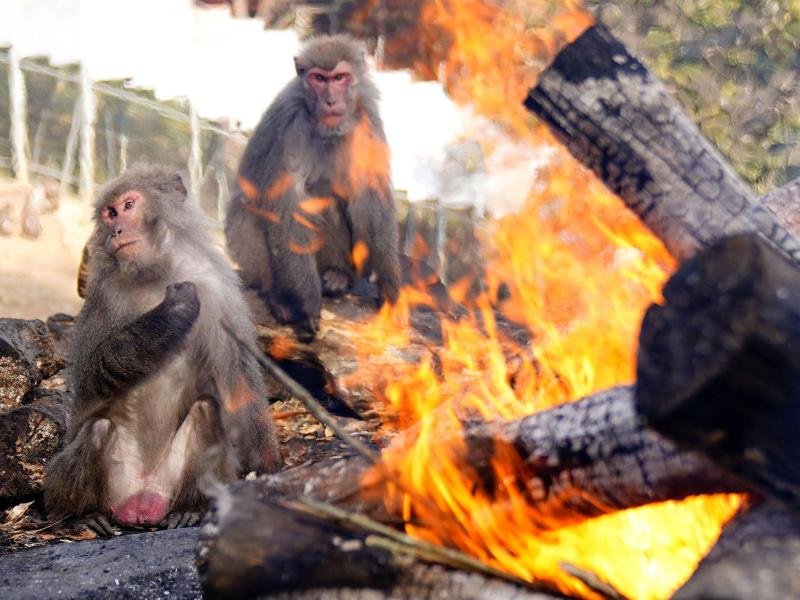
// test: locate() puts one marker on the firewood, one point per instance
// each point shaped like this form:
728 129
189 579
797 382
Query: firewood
579 460
252 546
617 119
593 457
719 363
785 205
27 356
757 556
29 436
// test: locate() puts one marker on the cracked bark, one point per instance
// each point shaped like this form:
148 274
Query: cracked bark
618 120
719 364
255 546
576 461
757 556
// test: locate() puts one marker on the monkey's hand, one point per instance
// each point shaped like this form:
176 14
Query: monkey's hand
140 348
180 306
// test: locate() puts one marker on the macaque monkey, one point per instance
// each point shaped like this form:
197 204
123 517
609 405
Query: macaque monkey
313 207
162 393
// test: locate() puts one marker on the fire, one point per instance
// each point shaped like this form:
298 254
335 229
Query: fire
577 271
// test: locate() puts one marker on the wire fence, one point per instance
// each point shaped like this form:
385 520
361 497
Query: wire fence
57 124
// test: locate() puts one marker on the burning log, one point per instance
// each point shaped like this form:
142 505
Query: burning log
593 457
757 556
253 546
617 119
719 363
578 461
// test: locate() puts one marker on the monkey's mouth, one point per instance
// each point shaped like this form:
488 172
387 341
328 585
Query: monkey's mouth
332 119
119 248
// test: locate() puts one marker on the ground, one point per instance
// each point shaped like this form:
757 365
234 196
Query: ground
38 276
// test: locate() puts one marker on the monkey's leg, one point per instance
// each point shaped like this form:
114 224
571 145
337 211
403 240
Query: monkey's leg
196 450
373 220
75 482
295 297
245 241
248 425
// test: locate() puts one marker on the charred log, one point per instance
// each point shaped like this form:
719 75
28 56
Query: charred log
757 556
577 461
252 546
719 363
593 457
618 120
27 356
29 436
785 204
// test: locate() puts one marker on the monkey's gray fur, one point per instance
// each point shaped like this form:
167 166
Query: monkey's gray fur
288 139
149 357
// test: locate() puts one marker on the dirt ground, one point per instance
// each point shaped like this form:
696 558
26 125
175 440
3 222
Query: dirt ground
38 276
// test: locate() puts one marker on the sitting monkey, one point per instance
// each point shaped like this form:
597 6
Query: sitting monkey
162 393
313 206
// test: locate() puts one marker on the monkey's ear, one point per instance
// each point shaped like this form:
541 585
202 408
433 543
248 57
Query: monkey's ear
300 67
176 184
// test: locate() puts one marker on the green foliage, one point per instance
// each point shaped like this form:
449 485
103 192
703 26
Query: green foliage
733 64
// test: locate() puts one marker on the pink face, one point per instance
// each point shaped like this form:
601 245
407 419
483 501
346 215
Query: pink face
331 89
123 217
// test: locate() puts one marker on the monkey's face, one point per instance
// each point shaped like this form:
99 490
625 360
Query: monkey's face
124 224
333 94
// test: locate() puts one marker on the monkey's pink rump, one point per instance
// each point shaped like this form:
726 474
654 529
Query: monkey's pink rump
143 508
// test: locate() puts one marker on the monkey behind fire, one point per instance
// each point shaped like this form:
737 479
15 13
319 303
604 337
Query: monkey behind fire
313 205
157 381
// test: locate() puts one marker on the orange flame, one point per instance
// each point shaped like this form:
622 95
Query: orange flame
365 165
360 255
579 271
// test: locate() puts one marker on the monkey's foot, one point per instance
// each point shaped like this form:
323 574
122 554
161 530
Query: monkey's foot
176 520
335 283
99 524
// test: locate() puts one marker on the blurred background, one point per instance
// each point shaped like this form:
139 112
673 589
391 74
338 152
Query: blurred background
88 87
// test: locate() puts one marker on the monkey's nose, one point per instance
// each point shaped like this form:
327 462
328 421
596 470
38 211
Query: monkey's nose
116 231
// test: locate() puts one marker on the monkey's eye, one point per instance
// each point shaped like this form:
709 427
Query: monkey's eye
318 78
129 204
111 212
340 77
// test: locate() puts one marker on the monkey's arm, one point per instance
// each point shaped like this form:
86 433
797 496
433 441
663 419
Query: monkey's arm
107 362
372 214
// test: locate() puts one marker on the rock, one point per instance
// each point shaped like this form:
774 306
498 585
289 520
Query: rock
27 356
158 564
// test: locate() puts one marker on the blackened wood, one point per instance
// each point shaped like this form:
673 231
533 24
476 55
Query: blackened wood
253 546
785 205
577 461
757 556
27 356
593 457
719 364
617 119
29 436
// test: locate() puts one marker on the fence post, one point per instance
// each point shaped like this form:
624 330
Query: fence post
195 156
69 153
19 127
88 116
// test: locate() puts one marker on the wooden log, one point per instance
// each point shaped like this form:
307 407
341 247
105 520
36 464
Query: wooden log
757 556
618 120
578 461
593 457
785 205
719 364
255 547
27 356
29 436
